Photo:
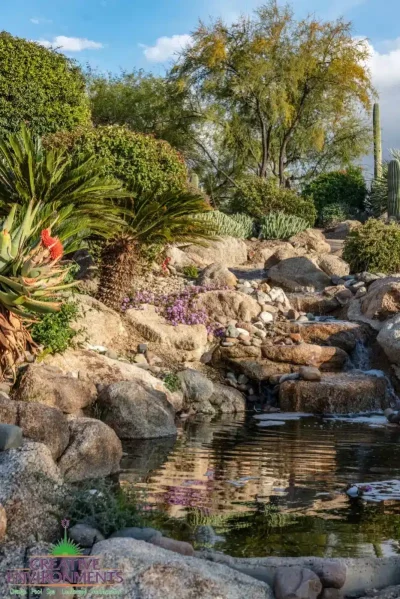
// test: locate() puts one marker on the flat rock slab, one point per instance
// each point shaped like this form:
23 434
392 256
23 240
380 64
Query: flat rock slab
344 393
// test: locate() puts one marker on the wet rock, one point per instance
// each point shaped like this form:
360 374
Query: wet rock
218 275
342 334
389 339
310 373
10 436
94 451
85 535
173 545
343 393
135 411
31 485
225 305
325 357
47 385
296 583
332 573
154 573
299 274
140 534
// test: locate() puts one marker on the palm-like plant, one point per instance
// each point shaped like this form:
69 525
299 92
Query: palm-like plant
150 219
77 191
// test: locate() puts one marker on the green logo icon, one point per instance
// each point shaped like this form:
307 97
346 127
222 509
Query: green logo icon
66 547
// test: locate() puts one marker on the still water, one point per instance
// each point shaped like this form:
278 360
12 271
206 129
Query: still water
250 491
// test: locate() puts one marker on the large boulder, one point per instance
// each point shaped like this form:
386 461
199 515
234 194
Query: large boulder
260 251
299 274
49 386
135 411
312 240
225 305
32 492
98 325
296 583
341 230
195 386
94 451
382 299
333 265
227 400
229 251
307 354
343 393
150 572
354 313
389 339
337 333
38 423
182 342
283 253
91 366
217 275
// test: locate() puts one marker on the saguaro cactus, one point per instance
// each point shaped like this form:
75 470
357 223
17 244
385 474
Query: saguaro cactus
377 142
394 189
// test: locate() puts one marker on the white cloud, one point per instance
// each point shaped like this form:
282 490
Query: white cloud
39 20
70 44
166 47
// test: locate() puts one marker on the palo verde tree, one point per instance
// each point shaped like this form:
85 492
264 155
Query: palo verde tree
39 87
285 97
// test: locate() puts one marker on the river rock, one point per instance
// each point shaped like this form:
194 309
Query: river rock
389 339
310 373
98 325
182 342
47 385
217 275
332 573
91 366
172 545
333 265
135 411
229 251
343 393
153 573
225 305
312 240
296 583
94 451
31 492
85 535
325 357
299 274
10 436
382 299
227 400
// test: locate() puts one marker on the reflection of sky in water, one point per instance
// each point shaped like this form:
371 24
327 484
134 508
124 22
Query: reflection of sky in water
233 467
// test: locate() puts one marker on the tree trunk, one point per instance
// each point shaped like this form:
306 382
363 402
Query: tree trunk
118 262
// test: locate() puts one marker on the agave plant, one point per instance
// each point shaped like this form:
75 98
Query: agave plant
76 191
150 220
31 278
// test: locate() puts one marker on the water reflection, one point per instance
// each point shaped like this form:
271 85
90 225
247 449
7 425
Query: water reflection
273 491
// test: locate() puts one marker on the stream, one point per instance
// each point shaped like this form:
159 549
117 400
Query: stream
248 491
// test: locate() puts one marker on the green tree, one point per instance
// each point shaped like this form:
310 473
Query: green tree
146 104
40 87
282 96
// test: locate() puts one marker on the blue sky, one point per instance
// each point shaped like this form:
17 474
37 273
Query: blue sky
114 34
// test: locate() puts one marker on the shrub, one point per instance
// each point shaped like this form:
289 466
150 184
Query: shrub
54 330
140 161
258 197
40 87
345 187
191 272
172 382
235 225
374 247
332 214
279 225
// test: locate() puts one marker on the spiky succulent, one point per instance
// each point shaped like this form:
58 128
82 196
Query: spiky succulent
278 225
233 225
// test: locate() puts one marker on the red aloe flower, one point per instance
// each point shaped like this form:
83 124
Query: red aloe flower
52 243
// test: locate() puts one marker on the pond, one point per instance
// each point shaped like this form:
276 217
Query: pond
232 486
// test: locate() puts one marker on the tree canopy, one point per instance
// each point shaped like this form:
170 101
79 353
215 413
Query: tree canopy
284 98
39 87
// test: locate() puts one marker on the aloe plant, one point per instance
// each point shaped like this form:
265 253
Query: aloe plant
278 225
